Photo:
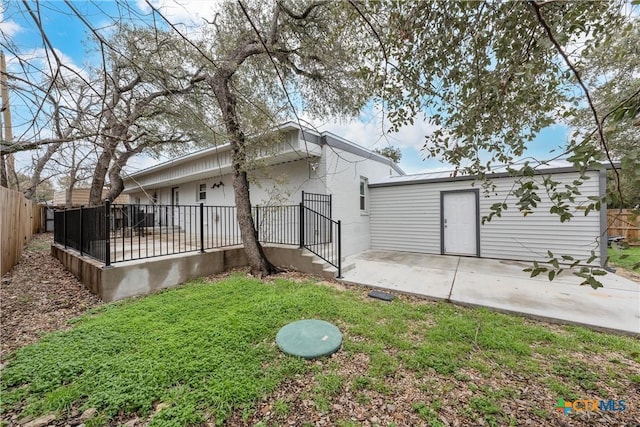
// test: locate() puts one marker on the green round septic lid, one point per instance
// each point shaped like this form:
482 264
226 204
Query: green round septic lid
309 338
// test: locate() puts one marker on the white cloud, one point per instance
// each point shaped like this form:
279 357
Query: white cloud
371 130
8 28
186 12
41 62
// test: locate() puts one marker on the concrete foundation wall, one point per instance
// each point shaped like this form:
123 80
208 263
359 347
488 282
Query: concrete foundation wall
142 277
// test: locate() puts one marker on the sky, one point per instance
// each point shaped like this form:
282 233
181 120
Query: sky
70 38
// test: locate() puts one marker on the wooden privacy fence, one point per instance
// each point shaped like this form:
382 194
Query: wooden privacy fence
19 220
624 223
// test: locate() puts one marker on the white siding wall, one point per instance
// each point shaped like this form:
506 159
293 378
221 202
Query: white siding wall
279 184
343 172
206 162
407 218
283 184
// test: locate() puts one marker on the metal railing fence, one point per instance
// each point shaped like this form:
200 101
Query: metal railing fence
322 236
114 233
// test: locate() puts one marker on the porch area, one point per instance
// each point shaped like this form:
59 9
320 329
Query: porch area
115 233
119 251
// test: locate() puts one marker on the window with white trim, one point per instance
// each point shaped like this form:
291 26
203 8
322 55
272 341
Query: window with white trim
202 192
363 194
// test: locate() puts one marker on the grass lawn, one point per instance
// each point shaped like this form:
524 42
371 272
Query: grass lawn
625 258
205 353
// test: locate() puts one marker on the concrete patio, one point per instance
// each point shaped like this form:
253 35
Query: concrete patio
502 285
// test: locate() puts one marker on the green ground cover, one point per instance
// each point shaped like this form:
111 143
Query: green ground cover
206 352
628 258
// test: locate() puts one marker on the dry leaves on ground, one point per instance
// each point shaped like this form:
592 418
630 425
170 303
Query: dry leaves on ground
38 295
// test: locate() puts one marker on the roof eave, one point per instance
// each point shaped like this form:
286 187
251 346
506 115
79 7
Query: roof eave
564 169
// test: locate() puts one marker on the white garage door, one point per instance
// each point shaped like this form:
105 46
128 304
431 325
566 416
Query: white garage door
460 223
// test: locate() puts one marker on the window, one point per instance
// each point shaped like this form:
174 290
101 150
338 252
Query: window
202 192
363 194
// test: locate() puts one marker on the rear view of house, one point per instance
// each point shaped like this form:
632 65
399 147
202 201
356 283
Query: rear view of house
300 161
317 199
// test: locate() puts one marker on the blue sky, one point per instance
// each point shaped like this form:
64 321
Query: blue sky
70 36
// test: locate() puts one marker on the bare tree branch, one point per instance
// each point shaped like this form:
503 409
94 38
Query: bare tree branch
305 13
600 128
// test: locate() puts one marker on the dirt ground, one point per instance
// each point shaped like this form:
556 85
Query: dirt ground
629 274
38 295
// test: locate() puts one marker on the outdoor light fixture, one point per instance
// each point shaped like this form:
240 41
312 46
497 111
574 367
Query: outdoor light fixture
218 184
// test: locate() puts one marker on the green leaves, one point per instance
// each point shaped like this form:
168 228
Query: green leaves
537 269
589 277
556 266
484 73
495 210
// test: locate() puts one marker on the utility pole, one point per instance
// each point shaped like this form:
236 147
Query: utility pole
7 164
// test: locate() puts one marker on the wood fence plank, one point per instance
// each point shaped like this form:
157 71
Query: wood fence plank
19 220
623 223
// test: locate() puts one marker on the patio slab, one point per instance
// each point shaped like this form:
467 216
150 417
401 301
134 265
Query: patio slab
402 275
604 308
502 285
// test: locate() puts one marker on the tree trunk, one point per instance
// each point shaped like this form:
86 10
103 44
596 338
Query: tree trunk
30 192
115 178
4 182
260 265
12 175
100 173
68 196
258 262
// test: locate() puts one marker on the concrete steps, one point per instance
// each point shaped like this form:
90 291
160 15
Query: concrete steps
304 261
322 268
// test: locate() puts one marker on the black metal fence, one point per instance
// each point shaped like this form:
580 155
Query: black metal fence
82 229
278 224
320 203
115 233
322 236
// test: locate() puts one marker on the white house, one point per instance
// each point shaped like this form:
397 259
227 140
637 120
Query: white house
300 161
378 205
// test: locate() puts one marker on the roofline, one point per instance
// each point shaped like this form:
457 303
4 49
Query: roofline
321 137
180 159
336 141
564 169
286 126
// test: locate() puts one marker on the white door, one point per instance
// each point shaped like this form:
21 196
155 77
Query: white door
459 223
